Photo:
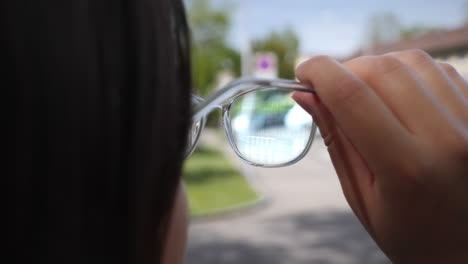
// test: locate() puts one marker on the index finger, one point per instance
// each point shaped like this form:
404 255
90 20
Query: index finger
363 117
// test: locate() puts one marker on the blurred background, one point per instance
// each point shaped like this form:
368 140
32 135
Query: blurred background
296 214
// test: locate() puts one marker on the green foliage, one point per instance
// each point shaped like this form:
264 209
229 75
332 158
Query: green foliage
212 184
210 52
415 31
383 28
208 60
209 24
284 43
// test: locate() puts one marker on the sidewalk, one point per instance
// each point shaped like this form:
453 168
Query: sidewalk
306 220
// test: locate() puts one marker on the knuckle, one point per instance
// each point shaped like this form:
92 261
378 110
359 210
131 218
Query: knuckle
416 56
372 68
362 60
449 69
387 64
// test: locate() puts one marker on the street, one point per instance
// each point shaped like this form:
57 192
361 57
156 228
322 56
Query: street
304 219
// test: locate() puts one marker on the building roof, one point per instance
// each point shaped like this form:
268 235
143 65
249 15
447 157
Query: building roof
435 42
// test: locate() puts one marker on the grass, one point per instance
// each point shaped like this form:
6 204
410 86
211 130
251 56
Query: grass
213 185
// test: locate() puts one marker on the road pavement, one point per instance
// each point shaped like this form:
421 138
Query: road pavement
304 219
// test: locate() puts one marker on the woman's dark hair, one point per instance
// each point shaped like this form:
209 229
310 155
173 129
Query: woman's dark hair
100 93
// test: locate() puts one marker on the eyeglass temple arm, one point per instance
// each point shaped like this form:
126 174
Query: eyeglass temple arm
237 87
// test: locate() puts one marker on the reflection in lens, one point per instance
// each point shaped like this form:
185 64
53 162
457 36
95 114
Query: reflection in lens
194 133
268 127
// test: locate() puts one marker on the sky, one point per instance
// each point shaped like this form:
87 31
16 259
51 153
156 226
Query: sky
333 27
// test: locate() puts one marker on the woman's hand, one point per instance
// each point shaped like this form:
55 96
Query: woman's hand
396 127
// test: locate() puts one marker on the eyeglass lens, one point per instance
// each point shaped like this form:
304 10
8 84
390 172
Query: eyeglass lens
268 127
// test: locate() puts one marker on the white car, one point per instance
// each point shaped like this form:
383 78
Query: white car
297 118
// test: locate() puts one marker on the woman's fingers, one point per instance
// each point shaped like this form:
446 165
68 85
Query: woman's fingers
359 112
452 73
399 143
448 99
435 79
402 90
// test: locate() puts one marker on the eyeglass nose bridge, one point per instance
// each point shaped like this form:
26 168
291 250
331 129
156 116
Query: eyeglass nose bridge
212 108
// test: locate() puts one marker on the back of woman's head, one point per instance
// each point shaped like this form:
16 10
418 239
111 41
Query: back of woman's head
101 103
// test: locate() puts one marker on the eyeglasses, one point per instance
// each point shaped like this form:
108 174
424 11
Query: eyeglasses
263 124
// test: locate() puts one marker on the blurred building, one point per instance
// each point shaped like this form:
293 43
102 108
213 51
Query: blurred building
446 45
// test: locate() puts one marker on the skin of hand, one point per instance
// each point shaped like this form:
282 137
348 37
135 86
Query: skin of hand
396 128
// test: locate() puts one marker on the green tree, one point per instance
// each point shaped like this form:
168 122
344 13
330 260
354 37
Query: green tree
383 28
210 52
285 44
415 31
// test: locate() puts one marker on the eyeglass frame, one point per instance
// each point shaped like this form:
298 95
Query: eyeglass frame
224 98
